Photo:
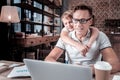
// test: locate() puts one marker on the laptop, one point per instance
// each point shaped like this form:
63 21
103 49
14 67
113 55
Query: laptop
43 70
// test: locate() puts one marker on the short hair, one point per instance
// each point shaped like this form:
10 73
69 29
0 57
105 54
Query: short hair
83 7
67 14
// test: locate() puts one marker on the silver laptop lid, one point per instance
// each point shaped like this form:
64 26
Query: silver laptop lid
42 70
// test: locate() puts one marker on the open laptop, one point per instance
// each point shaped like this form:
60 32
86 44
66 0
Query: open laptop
43 70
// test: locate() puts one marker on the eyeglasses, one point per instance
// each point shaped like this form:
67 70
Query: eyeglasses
81 21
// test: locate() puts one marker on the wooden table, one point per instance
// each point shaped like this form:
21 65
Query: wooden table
112 75
3 75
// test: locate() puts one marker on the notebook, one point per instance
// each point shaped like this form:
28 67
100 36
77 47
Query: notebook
43 70
20 71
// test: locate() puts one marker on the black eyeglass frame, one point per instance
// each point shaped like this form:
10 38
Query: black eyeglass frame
81 21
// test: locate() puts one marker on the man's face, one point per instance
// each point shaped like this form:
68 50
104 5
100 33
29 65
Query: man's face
68 23
81 21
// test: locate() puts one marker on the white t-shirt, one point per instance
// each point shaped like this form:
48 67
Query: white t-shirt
93 55
65 29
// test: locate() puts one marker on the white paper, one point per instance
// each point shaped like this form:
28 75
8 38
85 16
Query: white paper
21 71
2 64
14 65
116 77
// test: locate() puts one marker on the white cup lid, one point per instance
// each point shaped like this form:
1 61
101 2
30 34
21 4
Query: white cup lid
103 65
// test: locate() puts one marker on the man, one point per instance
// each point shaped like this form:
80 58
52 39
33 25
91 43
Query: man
82 19
68 27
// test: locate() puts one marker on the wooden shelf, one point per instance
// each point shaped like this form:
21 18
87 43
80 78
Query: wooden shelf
33 41
37 23
49 4
34 9
30 22
31 35
28 10
28 7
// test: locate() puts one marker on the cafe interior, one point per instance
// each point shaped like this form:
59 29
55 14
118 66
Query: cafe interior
31 28
34 26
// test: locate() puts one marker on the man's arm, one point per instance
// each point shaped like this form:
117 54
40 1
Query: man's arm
54 54
110 56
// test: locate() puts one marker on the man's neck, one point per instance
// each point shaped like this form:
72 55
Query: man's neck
81 36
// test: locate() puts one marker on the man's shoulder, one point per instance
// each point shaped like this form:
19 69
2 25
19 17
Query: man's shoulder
102 33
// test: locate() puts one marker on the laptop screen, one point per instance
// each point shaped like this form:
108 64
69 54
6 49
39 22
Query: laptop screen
42 70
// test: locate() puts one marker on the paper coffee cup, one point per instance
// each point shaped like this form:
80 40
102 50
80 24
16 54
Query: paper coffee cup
102 70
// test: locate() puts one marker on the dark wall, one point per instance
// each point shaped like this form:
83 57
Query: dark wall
102 10
4 42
